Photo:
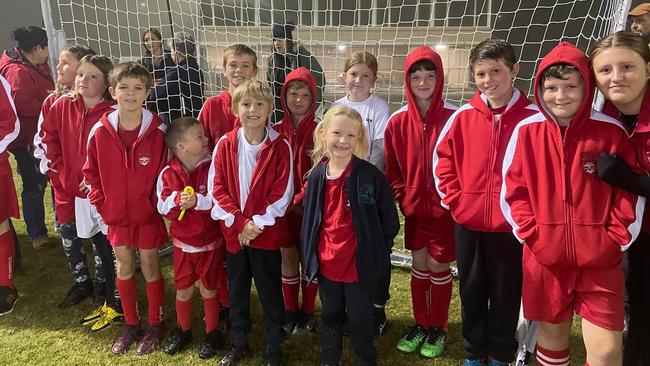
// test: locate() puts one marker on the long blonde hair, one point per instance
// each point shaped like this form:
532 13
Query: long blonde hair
320 147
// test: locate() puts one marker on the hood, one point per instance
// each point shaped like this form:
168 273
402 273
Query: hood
419 54
304 75
14 57
569 54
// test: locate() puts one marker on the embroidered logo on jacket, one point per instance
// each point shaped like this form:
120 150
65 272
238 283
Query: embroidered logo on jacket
589 160
367 194
144 160
203 189
589 167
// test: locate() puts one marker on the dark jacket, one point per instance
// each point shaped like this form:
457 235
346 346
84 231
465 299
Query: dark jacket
180 92
374 218
158 72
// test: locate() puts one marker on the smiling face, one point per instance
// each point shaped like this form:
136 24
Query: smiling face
563 97
152 43
90 82
66 69
130 93
494 79
238 69
341 137
253 113
359 79
194 144
423 84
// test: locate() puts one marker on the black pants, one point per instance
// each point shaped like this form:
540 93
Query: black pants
34 184
340 300
382 293
489 270
637 344
264 266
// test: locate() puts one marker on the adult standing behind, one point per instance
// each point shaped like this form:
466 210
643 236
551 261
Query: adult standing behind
180 92
25 68
287 56
640 21
156 59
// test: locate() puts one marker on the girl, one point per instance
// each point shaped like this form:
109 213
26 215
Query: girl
64 134
621 65
156 58
359 75
348 227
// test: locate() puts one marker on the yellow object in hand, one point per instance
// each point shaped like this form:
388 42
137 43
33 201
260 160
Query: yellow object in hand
189 190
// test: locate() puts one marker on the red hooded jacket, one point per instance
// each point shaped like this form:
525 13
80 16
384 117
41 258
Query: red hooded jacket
197 227
409 140
301 138
468 158
30 85
122 185
270 195
217 117
552 195
64 140
9 129
39 153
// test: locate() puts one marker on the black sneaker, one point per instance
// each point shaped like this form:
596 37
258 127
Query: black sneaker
290 321
273 358
8 298
177 341
213 343
305 323
379 321
99 293
77 293
234 356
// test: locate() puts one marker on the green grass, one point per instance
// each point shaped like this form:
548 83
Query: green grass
38 333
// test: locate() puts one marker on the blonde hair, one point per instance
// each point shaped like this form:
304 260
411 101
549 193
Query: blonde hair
362 58
255 89
629 40
238 50
320 147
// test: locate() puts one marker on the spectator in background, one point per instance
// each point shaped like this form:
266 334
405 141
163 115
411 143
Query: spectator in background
288 56
156 59
25 68
180 92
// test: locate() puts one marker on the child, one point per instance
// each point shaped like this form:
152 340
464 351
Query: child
252 186
410 137
64 133
126 151
348 227
9 129
573 225
198 244
467 164
359 75
297 125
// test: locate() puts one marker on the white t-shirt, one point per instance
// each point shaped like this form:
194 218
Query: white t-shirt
247 155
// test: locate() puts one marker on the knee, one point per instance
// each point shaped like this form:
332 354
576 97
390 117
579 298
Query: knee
435 266
124 270
605 353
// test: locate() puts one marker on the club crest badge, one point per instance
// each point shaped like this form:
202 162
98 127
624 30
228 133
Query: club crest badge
203 189
647 156
589 160
144 160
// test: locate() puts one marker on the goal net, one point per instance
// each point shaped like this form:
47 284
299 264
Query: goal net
332 29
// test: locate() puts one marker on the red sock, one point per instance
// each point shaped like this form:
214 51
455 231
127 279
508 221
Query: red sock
309 293
7 248
184 314
129 297
155 299
223 288
420 288
211 310
547 357
440 297
290 288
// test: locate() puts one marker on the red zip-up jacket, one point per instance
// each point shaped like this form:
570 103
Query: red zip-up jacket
9 125
301 138
64 140
409 140
39 153
217 117
271 190
30 85
640 138
468 157
197 227
122 185
552 195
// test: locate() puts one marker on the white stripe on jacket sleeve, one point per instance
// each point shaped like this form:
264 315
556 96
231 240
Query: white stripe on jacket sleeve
279 207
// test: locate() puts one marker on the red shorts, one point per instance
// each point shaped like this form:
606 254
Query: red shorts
64 205
8 200
148 236
205 266
552 295
293 224
438 236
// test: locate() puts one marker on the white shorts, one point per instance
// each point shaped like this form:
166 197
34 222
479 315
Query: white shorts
89 222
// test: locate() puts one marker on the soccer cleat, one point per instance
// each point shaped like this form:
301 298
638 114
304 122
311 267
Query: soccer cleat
305 323
177 342
152 338
434 344
379 321
412 340
109 317
290 321
8 298
77 293
213 343
42 242
93 316
234 356
469 362
130 335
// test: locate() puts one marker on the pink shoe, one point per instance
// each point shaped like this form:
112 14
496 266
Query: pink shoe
152 338
130 335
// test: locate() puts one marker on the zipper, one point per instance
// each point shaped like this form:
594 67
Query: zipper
491 162
428 174
568 232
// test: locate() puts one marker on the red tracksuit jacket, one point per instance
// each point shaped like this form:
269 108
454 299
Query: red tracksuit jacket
39 153
122 185
552 195
9 130
270 194
468 158
197 227
217 117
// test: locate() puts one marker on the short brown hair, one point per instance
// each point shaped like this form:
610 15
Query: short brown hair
238 50
298 84
103 64
362 58
130 69
253 88
177 130
493 49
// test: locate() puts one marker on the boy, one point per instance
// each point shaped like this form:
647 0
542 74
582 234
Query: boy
573 225
467 164
198 244
126 151
239 65
251 183
297 125
409 140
